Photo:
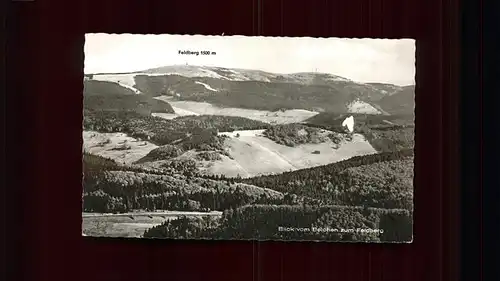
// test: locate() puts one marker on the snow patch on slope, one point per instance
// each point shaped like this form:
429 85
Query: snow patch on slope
206 86
184 70
124 80
249 76
358 106
131 88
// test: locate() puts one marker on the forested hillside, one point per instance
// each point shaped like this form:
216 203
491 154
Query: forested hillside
381 183
333 121
386 181
296 134
294 222
111 96
260 95
254 89
109 187
386 133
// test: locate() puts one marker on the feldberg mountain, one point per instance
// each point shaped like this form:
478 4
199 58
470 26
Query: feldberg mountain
255 89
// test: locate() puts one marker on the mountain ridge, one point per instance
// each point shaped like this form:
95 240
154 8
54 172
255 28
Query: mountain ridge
165 70
261 90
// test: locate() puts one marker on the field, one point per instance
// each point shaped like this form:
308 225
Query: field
253 154
116 146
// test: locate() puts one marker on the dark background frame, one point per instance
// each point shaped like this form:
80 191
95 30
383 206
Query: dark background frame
47 40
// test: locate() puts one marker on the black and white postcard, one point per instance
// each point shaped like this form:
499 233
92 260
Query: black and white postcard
248 138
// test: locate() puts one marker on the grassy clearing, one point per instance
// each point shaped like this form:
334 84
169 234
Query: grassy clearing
183 108
130 224
116 146
253 154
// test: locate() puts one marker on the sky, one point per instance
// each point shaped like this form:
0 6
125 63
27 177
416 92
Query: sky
361 60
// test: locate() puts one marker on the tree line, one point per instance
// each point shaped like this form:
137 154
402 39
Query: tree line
111 188
296 134
294 222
